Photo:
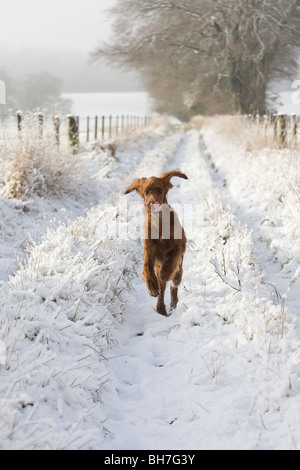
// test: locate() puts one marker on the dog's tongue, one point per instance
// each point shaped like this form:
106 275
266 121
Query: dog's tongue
157 206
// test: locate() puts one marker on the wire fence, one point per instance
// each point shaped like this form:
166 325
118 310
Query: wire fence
76 129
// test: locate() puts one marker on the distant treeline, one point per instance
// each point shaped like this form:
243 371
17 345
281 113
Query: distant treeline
36 91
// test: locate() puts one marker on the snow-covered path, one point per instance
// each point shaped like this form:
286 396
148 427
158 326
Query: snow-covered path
195 380
89 362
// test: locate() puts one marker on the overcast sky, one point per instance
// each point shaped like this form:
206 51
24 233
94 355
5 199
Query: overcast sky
57 36
68 24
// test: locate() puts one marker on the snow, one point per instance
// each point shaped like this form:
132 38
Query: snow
105 104
89 364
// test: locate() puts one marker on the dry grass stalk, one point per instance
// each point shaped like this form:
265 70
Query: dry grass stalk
31 164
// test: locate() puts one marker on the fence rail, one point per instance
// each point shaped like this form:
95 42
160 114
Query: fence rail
88 128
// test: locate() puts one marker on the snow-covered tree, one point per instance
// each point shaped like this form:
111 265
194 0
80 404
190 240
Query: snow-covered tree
205 55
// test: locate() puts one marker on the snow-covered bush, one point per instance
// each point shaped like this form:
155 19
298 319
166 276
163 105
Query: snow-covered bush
31 164
244 132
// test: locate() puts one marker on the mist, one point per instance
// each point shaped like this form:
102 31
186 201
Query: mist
57 38
72 67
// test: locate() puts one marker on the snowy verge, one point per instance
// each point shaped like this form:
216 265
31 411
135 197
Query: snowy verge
57 314
264 183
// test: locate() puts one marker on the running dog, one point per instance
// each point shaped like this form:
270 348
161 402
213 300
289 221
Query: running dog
164 238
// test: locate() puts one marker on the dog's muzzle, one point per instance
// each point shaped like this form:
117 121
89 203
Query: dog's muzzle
156 207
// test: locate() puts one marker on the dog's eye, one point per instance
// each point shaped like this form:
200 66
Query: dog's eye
159 191
147 192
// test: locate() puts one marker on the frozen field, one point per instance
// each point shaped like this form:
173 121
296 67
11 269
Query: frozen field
105 104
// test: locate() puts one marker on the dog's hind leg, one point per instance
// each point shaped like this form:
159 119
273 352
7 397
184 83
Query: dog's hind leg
174 297
160 306
174 287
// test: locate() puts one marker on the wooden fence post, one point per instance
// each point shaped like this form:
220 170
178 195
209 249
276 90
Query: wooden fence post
273 121
41 124
19 120
56 122
110 127
88 128
96 127
73 132
294 129
282 130
117 125
103 127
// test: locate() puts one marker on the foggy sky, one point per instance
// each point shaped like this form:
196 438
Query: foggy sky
57 23
57 36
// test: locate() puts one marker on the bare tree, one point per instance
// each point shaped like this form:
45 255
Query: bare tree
205 55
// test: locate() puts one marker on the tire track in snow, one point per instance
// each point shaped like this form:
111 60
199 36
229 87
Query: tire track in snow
142 352
140 410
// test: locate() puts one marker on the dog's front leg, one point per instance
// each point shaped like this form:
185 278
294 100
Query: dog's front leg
149 276
169 266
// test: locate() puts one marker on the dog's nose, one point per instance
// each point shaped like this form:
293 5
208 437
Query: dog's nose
156 206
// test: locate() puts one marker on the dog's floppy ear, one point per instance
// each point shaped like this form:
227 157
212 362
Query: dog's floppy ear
169 174
135 186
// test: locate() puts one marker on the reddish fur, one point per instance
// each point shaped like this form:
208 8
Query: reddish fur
163 258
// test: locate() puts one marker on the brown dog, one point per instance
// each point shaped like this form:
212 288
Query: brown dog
164 238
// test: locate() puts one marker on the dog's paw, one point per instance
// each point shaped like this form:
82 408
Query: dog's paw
161 309
153 287
153 292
